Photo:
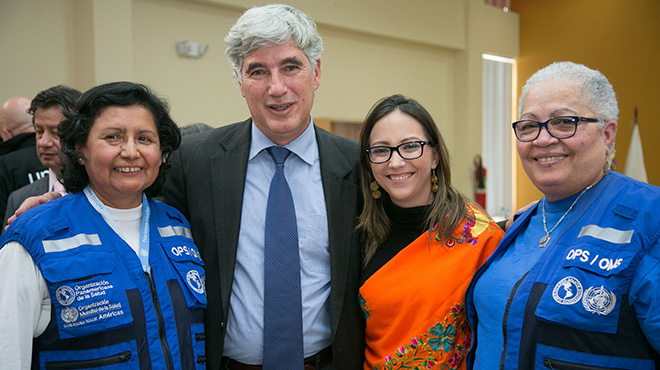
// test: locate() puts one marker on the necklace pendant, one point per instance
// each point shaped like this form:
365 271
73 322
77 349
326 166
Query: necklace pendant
544 240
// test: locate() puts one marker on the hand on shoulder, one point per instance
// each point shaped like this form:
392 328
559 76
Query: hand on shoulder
32 202
505 226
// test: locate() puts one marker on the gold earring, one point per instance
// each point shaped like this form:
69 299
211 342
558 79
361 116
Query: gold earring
608 160
374 190
434 181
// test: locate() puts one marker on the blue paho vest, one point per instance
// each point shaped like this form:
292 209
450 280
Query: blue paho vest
571 310
106 312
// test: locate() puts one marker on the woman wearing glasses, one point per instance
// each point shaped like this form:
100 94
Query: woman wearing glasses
422 240
575 282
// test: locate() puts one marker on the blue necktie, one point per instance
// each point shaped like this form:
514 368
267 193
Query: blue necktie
283 338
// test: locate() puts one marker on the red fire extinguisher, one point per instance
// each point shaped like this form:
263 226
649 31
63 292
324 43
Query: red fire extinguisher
479 182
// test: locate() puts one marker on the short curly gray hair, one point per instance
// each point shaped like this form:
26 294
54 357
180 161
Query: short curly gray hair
602 99
270 25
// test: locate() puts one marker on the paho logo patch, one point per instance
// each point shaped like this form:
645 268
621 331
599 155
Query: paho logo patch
567 291
65 295
195 281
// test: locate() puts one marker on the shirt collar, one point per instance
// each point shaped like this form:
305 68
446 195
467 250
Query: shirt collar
303 146
52 179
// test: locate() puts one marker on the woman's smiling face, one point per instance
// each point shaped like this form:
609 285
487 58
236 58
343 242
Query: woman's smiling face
122 155
563 167
407 181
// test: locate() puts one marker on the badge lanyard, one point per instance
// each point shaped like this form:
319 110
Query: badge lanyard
143 251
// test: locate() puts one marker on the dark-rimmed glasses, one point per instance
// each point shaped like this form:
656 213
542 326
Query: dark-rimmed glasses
561 127
409 150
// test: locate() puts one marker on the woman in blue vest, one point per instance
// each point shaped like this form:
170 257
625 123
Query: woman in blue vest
105 277
575 283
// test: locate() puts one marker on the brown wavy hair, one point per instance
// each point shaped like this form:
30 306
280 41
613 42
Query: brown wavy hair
448 208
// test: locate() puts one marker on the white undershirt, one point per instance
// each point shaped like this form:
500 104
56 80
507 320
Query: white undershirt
128 221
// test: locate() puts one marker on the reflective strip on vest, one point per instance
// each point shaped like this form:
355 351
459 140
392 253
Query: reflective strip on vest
607 234
170 231
71 243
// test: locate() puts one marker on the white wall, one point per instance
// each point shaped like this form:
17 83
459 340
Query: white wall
36 46
427 49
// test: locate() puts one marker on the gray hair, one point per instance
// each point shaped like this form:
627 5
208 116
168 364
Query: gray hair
271 25
596 87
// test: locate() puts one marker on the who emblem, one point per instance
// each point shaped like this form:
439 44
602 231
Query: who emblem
599 300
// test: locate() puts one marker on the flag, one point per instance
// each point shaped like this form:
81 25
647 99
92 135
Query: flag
635 167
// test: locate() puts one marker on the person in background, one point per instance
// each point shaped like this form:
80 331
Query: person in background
575 282
47 109
423 241
15 125
19 163
105 276
221 181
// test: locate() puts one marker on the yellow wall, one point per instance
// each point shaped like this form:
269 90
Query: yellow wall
620 39
430 51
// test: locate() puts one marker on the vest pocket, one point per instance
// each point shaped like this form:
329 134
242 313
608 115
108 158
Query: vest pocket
565 365
186 261
548 357
119 356
84 364
586 291
88 293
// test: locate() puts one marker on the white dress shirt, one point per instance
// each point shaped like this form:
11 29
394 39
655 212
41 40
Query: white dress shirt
244 338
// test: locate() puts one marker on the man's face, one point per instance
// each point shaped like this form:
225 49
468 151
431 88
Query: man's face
48 142
278 84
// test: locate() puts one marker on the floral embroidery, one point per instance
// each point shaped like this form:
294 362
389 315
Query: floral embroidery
458 313
444 346
363 305
442 336
463 237
475 224
416 355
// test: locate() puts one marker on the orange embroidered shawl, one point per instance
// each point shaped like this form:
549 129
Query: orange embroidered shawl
414 304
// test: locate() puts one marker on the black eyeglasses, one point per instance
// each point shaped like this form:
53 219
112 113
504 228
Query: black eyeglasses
561 127
409 150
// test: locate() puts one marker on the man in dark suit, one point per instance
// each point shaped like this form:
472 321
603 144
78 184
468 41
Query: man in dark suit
219 180
47 110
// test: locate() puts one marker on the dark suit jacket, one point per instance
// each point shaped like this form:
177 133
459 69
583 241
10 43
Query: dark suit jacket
17 197
206 184
19 168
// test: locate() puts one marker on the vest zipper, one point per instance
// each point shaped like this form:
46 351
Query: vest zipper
564 365
85 364
161 324
506 317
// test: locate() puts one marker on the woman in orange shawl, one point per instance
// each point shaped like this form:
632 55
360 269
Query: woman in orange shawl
423 241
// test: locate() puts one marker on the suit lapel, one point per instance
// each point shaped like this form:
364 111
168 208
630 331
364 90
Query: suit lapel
228 171
43 185
340 201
